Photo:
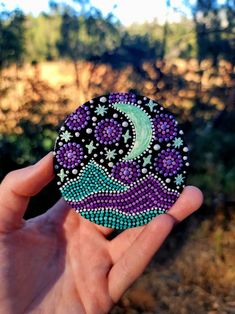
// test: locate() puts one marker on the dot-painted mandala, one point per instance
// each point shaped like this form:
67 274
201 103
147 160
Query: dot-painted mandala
120 160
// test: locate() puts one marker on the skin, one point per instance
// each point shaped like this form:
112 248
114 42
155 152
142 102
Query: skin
60 262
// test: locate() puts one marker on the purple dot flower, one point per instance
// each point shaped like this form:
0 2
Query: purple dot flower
165 127
69 155
108 131
168 162
78 119
122 97
126 171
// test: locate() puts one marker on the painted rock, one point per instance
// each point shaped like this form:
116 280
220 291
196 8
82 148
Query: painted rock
120 160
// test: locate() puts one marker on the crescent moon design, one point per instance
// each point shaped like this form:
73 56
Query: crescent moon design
142 125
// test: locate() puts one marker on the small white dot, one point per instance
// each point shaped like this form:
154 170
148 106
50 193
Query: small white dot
110 164
185 158
120 151
60 143
185 149
144 170
89 131
139 102
74 171
77 134
125 124
62 128
156 147
101 160
103 99
168 180
91 101
181 132
94 118
95 155
115 115
187 164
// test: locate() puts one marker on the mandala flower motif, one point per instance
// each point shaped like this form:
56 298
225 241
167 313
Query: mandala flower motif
122 97
108 131
168 162
78 119
69 155
165 127
126 171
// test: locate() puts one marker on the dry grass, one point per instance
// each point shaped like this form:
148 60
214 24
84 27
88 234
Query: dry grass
51 86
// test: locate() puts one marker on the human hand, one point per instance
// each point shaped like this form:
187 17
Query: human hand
60 262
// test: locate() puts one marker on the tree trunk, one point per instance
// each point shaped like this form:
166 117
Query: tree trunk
77 81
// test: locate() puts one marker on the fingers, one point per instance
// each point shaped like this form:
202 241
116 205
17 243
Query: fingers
17 187
130 266
104 230
190 200
132 250
123 241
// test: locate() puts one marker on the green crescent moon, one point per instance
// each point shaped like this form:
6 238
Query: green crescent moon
142 125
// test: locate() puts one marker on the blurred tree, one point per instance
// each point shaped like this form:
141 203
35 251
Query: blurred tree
42 34
85 36
215 29
11 37
165 31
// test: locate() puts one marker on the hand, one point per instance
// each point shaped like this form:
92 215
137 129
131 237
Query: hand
62 263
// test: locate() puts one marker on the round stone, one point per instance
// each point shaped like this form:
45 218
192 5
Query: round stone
120 160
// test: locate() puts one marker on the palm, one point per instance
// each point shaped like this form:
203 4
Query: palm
60 262
51 261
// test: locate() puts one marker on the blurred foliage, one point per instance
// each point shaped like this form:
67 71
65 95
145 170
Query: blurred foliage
11 37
